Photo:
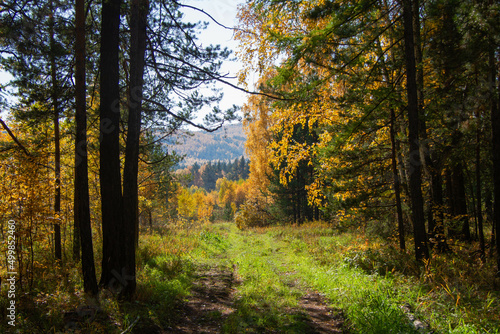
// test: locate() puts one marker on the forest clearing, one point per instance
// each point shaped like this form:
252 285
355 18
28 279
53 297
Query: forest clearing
367 199
312 278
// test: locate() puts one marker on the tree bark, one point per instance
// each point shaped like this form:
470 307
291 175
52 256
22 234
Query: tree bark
495 145
479 211
109 151
57 144
449 192
438 229
82 210
421 250
76 221
397 190
138 20
460 202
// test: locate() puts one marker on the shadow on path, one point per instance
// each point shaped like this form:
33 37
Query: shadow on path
211 303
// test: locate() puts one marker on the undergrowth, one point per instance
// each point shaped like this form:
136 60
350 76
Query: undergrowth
375 285
371 279
166 261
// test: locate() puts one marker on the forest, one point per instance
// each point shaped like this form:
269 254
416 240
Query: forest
368 201
201 147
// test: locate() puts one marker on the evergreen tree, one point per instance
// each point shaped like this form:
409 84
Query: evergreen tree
209 177
109 150
174 63
38 45
83 229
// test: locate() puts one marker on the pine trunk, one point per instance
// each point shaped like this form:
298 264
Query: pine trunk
495 145
397 190
57 142
82 209
109 171
138 19
460 203
479 211
420 236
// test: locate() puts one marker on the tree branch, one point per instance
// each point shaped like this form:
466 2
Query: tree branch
183 119
205 13
217 77
14 138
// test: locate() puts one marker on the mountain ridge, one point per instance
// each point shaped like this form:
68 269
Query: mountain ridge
224 144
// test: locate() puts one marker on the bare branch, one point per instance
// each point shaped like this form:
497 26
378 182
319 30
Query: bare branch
14 138
183 119
218 77
205 13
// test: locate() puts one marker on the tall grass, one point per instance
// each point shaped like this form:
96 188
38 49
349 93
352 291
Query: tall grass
365 276
371 279
166 261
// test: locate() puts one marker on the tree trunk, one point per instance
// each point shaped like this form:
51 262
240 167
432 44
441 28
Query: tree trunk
76 220
479 212
460 202
425 155
150 219
420 236
397 190
449 193
109 171
495 145
488 203
138 20
57 148
82 210
438 230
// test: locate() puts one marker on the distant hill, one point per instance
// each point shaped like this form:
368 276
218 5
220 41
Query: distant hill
225 144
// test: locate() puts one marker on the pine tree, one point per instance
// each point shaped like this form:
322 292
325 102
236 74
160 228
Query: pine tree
39 50
109 150
83 230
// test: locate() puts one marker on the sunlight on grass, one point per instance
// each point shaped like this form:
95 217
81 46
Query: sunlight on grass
274 267
371 279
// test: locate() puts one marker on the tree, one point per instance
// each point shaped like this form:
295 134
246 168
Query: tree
495 123
109 149
57 142
421 251
290 193
397 189
331 75
83 228
138 21
495 141
208 177
175 66
38 47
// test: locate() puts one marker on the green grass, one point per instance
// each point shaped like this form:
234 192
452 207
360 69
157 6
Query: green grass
268 293
280 266
370 279
367 278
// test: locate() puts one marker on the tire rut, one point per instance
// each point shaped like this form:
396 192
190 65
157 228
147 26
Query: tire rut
208 306
320 317
212 302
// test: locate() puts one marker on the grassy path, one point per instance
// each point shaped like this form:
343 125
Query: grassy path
244 284
214 278
208 306
270 296
307 279
282 284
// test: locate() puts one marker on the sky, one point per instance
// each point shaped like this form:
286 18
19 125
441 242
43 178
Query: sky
224 11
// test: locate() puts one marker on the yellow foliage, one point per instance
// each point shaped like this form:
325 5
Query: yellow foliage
270 126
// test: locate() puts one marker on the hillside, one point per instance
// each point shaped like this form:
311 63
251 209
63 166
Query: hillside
227 143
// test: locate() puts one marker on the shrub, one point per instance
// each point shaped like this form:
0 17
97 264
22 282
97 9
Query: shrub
252 215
